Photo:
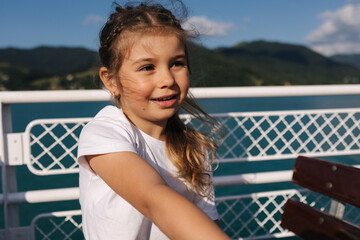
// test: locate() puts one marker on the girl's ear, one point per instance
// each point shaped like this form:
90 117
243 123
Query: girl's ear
108 81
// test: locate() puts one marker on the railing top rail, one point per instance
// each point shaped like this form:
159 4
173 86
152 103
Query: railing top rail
210 92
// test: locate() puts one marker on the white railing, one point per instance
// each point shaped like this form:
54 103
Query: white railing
48 147
214 92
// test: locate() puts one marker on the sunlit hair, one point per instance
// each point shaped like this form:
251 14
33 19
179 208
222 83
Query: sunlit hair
187 148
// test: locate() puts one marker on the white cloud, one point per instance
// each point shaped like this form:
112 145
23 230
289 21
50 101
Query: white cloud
339 33
207 27
337 48
93 20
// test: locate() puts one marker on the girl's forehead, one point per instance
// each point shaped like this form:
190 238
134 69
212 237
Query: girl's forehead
138 41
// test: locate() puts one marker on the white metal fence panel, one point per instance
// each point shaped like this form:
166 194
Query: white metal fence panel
51 145
255 136
249 136
257 216
50 148
251 216
57 225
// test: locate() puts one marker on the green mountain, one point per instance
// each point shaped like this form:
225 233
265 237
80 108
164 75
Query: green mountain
211 69
246 64
52 60
351 59
47 68
280 63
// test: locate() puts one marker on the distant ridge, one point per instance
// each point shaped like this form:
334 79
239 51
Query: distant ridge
54 60
352 59
44 68
257 63
281 63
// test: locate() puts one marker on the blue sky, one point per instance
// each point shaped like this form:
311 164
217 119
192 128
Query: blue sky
327 26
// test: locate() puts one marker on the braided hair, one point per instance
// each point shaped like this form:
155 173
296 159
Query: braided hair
141 18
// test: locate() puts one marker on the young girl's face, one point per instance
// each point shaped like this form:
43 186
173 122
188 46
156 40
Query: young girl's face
154 80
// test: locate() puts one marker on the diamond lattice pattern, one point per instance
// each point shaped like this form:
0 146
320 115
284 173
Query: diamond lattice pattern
248 136
58 227
54 147
254 216
281 135
258 216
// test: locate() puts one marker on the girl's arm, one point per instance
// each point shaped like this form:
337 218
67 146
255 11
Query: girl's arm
137 182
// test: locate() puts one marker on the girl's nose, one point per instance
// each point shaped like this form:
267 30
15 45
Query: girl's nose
167 79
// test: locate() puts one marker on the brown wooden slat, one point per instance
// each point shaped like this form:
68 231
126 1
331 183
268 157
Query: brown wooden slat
309 223
336 180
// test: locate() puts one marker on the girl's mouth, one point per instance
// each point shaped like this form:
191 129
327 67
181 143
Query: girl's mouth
165 102
161 99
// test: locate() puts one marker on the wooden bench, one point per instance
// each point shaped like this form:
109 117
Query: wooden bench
338 181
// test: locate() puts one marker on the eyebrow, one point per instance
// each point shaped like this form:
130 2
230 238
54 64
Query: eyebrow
179 56
142 60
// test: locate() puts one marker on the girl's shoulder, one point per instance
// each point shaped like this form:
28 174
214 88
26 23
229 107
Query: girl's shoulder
109 131
109 122
110 113
110 116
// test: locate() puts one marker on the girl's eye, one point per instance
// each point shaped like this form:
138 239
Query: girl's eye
147 68
179 64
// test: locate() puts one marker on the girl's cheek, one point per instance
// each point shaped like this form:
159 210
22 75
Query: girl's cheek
135 93
132 93
136 83
186 84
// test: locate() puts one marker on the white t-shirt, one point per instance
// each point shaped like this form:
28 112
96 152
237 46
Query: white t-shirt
105 214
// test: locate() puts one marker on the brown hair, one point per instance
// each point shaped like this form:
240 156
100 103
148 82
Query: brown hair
186 148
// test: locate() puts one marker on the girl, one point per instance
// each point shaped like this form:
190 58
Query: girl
143 173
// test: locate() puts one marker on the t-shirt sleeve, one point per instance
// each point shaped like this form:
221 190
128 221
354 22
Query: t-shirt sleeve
100 137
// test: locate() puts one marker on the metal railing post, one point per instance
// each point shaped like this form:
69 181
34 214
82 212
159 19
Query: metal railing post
9 184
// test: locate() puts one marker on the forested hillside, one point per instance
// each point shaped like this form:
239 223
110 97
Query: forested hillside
279 63
246 64
353 59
